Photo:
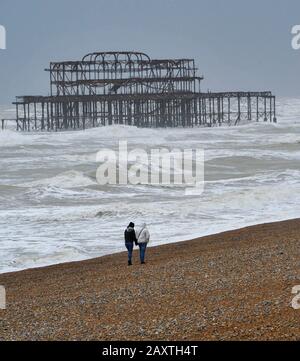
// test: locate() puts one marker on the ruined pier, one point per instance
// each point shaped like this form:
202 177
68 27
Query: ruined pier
130 88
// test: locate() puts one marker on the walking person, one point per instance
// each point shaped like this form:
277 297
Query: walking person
143 239
130 240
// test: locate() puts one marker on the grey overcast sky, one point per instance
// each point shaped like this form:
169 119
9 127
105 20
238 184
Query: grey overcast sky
237 44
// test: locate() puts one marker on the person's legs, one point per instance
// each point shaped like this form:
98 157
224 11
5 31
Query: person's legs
142 251
129 247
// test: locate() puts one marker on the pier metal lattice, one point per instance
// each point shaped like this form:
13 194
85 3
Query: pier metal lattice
130 88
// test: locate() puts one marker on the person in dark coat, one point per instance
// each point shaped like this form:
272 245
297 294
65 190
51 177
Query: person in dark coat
130 240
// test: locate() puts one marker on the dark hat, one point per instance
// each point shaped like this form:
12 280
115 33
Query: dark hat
131 225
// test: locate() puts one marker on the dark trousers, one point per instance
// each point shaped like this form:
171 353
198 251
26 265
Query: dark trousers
129 247
143 247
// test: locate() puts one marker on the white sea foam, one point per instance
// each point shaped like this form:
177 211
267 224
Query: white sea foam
52 209
69 179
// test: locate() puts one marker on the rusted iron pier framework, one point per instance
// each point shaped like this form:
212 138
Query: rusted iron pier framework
130 88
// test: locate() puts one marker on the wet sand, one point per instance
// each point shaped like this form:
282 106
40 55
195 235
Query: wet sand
235 285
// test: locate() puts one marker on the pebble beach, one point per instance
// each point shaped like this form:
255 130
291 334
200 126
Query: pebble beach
235 285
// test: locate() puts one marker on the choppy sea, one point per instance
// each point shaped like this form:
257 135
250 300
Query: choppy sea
53 210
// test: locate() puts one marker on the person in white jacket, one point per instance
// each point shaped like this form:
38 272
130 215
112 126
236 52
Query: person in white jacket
143 238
